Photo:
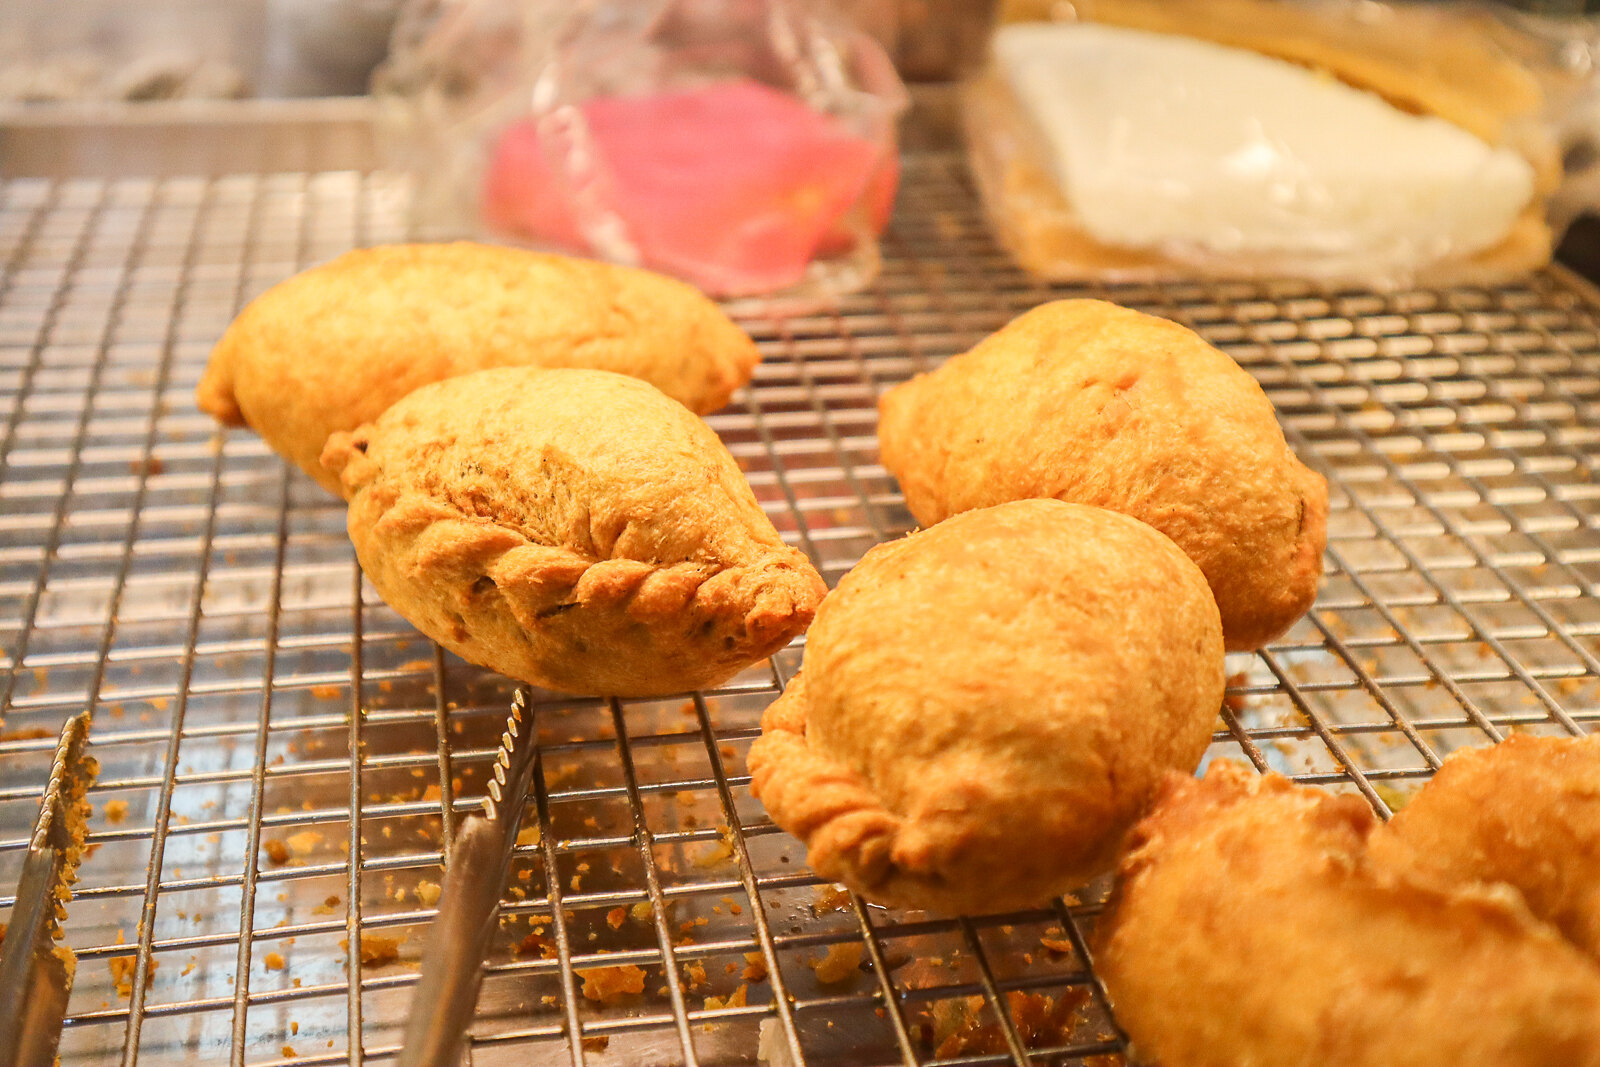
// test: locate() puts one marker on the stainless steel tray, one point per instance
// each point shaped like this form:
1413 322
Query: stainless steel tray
282 754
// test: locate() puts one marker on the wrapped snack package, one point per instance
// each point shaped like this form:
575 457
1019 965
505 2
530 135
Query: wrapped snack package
746 146
1339 140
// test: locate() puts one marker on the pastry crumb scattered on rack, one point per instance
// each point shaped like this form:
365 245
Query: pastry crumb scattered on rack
205 600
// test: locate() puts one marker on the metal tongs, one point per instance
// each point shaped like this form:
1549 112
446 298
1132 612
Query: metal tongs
474 878
35 971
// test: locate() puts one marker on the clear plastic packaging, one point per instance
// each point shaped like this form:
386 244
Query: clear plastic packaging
97 52
747 146
1340 140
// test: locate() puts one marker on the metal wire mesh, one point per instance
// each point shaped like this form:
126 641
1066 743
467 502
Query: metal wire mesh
283 756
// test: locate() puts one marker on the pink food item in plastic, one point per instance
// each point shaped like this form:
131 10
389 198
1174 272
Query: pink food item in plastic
734 185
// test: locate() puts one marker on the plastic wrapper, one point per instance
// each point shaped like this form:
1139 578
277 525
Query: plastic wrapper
96 52
747 146
1338 140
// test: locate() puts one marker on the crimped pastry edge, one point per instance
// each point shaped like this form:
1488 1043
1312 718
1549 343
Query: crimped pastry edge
773 599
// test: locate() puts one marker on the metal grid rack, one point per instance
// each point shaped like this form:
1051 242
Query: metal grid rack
282 755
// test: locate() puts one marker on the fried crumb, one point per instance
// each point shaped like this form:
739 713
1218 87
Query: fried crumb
830 898
528 835
305 842
960 1026
116 810
842 963
597 1043
719 852
326 692
188 968
737 999
755 967
1057 945
376 950
695 974
428 893
616 917
289 1053
548 1001
642 912
122 970
602 984
277 852
327 907
294 1027
537 942
273 961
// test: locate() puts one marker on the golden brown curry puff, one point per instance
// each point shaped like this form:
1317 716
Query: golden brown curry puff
574 529
987 705
1091 403
331 348
1250 925
1525 812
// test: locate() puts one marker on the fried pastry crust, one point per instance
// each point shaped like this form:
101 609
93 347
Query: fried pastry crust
1248 926
987 706
1525 812
574 529
1095 404
331 348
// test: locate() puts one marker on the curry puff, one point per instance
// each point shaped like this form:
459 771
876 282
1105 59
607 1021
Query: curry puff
1525 812
987 705
1252 924
331 348
575 529
1095 404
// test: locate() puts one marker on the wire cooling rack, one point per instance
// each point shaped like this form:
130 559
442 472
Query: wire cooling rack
282 756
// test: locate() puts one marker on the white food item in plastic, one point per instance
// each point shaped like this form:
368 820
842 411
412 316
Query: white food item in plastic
1197 149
